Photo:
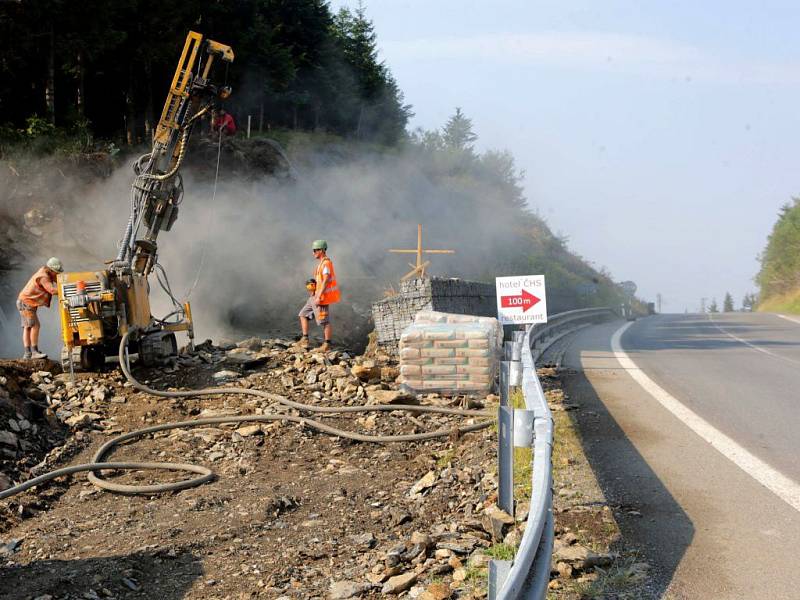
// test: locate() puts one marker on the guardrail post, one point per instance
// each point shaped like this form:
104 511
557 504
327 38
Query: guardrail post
505 459
504 382
510 375
498 571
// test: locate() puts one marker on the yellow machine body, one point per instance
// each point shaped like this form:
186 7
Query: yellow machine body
98 307
80 326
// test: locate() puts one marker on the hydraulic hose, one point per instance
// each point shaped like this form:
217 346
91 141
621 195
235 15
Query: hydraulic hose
182 150
98 460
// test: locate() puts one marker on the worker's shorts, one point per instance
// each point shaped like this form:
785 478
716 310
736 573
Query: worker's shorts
27 315
320 313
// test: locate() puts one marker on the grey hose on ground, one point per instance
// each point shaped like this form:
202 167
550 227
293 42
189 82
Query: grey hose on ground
206 475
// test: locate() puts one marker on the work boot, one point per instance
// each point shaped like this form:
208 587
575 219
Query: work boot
37 355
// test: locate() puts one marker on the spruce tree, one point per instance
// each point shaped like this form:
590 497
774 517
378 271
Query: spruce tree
727 303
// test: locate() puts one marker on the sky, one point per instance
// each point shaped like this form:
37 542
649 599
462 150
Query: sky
660 138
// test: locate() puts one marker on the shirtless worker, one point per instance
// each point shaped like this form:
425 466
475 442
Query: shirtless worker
37 292
325 293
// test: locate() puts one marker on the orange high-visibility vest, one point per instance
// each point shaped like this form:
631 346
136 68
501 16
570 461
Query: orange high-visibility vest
34 293
331 293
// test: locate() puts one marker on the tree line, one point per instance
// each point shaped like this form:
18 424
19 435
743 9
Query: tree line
104 67
780 260
488 186
749 303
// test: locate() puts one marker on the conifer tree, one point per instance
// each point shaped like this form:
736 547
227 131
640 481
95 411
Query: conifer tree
727 303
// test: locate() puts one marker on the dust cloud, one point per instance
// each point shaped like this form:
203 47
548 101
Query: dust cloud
248 245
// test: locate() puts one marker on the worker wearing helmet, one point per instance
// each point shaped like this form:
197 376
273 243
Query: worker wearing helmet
37 292
322 294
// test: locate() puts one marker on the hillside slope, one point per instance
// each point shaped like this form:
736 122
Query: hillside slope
240 247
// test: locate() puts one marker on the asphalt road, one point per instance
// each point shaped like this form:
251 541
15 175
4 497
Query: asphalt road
710 527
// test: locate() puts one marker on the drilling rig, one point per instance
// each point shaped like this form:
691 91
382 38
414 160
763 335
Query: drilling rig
98 307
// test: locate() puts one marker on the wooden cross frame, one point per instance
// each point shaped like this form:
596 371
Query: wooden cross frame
418 270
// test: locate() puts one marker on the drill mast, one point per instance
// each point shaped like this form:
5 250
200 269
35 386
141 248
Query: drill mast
158 187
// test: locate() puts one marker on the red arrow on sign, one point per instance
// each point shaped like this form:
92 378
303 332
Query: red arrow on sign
524 301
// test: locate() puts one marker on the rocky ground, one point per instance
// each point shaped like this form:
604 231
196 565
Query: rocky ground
293 513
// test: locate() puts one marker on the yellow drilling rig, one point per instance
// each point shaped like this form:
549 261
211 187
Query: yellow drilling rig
98 307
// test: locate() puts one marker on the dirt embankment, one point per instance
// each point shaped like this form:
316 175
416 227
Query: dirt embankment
293 513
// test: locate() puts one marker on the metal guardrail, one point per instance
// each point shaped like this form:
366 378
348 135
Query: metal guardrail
527 576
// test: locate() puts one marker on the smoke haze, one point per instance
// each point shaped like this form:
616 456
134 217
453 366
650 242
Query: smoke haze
249 246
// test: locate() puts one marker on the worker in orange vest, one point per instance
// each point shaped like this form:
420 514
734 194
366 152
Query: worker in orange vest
322 294
37 292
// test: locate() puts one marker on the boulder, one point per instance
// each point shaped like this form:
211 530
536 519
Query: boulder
436 591
248 430
399 583
389 373
365 373
423 484
341 590
391 397
579 557
8 438
495 522
225 375
252 343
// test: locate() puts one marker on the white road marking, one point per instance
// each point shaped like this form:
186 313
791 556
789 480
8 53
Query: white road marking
775 481
750 344
788 318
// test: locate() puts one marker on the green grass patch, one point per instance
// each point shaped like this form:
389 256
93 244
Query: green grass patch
501 551
445 457
566 443
523 465
785 303
477 576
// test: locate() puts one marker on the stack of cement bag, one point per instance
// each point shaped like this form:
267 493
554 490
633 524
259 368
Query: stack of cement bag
450 353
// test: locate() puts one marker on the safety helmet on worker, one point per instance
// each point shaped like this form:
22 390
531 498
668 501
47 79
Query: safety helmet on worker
54 264
319 245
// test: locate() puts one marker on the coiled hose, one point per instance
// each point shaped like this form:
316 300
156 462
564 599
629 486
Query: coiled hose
98 460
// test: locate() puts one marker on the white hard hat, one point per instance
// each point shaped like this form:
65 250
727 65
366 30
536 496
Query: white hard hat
54 264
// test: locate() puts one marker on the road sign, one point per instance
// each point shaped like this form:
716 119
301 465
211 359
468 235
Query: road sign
628 287
521 299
